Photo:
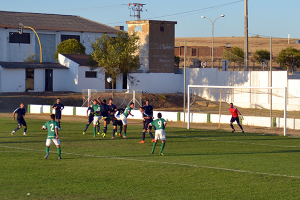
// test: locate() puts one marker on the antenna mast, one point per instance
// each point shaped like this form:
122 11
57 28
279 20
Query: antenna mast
137 8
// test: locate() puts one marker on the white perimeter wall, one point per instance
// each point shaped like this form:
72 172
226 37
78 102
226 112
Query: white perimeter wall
156 82
292 123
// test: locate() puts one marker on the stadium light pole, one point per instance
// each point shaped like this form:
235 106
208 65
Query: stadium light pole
212 40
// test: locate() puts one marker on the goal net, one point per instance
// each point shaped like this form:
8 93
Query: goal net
121 98
273 109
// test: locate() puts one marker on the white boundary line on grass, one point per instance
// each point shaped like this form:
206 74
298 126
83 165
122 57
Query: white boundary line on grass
210 139
160 162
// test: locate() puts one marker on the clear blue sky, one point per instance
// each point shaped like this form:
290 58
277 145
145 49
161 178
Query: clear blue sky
272 18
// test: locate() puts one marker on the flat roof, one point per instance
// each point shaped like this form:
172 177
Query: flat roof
25 65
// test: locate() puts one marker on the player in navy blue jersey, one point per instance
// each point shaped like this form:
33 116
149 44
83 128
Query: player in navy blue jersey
146 120
20 118
148 108
90 116
112 108
58 107
104 113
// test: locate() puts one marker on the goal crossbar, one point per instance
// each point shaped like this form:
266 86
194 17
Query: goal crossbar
239 87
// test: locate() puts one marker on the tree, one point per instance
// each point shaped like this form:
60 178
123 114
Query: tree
289 55
31 59
237 54
176 60
116 55
70 46
261 54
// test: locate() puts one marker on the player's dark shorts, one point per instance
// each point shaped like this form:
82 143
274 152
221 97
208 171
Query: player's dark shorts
21 122
58 115
104 114
91 118
117 123
145 125
235 119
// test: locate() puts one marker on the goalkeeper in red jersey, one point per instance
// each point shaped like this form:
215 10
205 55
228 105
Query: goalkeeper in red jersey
235 117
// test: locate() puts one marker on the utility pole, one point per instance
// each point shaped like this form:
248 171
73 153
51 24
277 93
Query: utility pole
137 8
246 37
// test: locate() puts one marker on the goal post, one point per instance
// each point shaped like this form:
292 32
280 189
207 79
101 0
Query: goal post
255 103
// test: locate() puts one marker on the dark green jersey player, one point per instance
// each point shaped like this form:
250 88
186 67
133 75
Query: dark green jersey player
160 125
52 136
97 112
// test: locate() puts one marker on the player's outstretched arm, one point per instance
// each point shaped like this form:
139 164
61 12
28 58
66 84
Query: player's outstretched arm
130 113
98 99
13 116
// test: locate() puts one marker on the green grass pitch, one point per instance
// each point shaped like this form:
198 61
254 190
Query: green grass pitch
197 164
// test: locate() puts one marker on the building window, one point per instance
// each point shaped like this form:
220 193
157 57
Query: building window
15 37
90 74
194 52
66 37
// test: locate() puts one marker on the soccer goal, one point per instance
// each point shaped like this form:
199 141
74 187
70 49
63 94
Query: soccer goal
121 98
260 106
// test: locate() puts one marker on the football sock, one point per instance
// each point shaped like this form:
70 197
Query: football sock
94 131
59 151
153 147
104 129
240 126
151 135
59 124
144 135
114 131
86 127
162 147
231 126
17 129
98 128
124 133
121 128
47 149
25 129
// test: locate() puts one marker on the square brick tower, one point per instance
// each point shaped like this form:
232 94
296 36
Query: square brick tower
157 40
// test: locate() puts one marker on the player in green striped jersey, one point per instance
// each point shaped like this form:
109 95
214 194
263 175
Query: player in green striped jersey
124 115
52 136
97 112
159 125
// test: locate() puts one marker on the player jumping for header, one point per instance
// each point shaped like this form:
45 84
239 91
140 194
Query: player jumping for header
20 118
52 136
124 115
160 125
235 117
97 112
90 116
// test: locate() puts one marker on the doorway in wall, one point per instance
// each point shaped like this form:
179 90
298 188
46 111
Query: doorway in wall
29 79
48 79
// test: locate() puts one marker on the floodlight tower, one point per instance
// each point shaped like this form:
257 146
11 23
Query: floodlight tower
137 8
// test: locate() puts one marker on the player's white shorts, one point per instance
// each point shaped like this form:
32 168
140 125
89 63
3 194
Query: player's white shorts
50 141
96 119
122 118
160 134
